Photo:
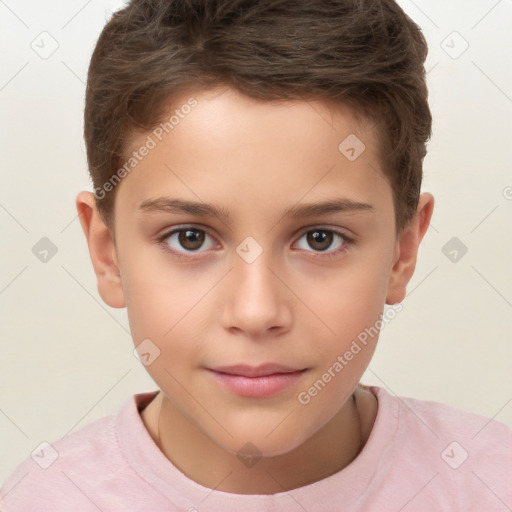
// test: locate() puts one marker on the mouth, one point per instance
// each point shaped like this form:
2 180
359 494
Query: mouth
263 370
262 381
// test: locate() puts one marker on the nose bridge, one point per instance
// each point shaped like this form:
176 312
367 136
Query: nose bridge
252 274
257 299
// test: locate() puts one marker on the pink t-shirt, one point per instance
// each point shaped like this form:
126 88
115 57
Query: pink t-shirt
421 456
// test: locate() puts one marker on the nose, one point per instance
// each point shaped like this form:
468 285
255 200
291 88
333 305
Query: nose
257 302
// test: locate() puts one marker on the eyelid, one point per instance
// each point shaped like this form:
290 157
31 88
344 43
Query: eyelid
325 227
301 232
167 233
348 239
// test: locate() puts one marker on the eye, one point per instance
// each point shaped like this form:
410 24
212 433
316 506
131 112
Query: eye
188 240
320 239
185 240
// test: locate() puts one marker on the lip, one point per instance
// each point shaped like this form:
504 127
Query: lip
261 381
262 370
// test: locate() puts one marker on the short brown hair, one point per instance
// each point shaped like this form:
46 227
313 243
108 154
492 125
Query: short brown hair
367 54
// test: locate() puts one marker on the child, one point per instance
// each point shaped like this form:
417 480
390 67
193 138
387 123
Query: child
225 140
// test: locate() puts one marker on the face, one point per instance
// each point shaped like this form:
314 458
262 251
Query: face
267 281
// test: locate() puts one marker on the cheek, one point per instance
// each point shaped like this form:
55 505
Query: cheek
350 305
168 306
159 292
350 298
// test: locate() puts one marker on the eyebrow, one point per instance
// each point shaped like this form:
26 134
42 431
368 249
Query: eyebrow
170 205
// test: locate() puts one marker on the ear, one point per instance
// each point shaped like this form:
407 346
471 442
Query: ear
407 249
101 249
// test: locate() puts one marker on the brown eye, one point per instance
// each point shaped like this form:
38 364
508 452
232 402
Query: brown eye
319 239
187 241
191 239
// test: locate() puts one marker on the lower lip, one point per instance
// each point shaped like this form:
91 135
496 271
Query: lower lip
258 387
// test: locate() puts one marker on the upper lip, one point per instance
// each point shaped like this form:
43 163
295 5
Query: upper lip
256 371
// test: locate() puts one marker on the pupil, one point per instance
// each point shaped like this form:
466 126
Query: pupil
324 238
191 239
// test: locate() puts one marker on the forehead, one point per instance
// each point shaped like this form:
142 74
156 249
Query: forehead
228 146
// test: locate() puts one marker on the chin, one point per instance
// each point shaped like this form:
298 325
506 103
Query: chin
258 442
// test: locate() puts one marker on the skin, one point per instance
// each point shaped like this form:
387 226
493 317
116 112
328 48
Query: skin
293 305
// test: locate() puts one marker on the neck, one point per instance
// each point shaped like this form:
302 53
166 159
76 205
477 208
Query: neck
321 455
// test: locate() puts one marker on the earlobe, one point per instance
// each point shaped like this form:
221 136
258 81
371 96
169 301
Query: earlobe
407 250
102 251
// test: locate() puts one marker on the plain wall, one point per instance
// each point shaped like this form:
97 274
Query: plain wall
67 358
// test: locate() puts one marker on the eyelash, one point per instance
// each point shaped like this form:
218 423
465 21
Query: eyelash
347 241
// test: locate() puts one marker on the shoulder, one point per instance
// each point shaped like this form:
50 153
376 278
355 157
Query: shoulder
461 457
438 417
427 421
56 470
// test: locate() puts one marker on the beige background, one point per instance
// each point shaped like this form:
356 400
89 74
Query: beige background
66 358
